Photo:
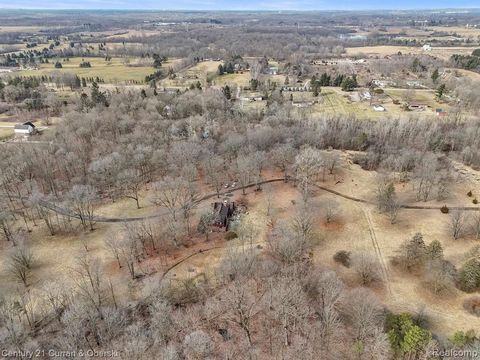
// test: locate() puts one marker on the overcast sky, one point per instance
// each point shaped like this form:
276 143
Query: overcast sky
239 4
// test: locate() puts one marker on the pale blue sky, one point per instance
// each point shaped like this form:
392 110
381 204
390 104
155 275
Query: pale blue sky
239 4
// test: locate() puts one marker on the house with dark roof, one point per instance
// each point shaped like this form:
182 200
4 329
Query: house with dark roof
224 212
25 130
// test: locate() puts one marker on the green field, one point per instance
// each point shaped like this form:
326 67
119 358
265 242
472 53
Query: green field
6 130
116 70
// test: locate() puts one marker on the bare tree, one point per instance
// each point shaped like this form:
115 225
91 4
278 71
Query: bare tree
367 268
475 224
131 182
307 164
457 224
214 169
198 345
331 210
87 278
82 198
245 170
177 195
113 243
37 200
426 175
21 262
6 223
290 242
283 156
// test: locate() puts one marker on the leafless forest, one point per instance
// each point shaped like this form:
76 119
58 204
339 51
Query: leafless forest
239 185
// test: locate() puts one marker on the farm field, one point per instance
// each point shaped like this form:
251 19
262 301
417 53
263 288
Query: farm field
6 130
440 52
112 71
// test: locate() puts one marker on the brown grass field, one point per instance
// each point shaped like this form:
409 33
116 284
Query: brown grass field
385 50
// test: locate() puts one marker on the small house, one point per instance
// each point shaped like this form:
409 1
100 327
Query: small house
366 95
25 130
427 47
272 70
224 212
378 108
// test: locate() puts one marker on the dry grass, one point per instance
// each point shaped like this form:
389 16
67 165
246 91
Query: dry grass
385 50
350 230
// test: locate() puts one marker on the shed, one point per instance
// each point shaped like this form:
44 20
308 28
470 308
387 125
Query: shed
26 129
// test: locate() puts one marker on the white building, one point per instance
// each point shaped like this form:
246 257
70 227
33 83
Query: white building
427 47
378 108
25 130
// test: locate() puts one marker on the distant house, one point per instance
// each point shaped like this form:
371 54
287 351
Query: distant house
272 70
303 104
416 107
25 130
378 108
224 212
414 83
427 47
366 95
383 83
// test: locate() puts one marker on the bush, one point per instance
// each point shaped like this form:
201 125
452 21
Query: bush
405 335
367 269
342 257
230 235
475 201
472 305
469 275
444 209
461 339
469 194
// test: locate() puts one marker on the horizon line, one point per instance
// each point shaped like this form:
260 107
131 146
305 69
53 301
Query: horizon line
243 10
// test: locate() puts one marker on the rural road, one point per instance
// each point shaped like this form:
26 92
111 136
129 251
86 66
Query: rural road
70 213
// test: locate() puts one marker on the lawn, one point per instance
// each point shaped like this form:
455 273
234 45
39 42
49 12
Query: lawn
6 130
201 72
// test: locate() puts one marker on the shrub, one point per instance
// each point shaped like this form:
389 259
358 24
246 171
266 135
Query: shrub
469 194
342 257
405 335
469 275
472 305
198 345
367 269
475 201
412 253
461 339
230 235
444 209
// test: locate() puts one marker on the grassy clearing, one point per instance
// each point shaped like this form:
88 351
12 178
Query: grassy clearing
111 71
201 72
6 130
232 79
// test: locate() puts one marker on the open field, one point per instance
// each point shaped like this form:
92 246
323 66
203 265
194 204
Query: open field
334 101
116 70
440 52
6 130
200 72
